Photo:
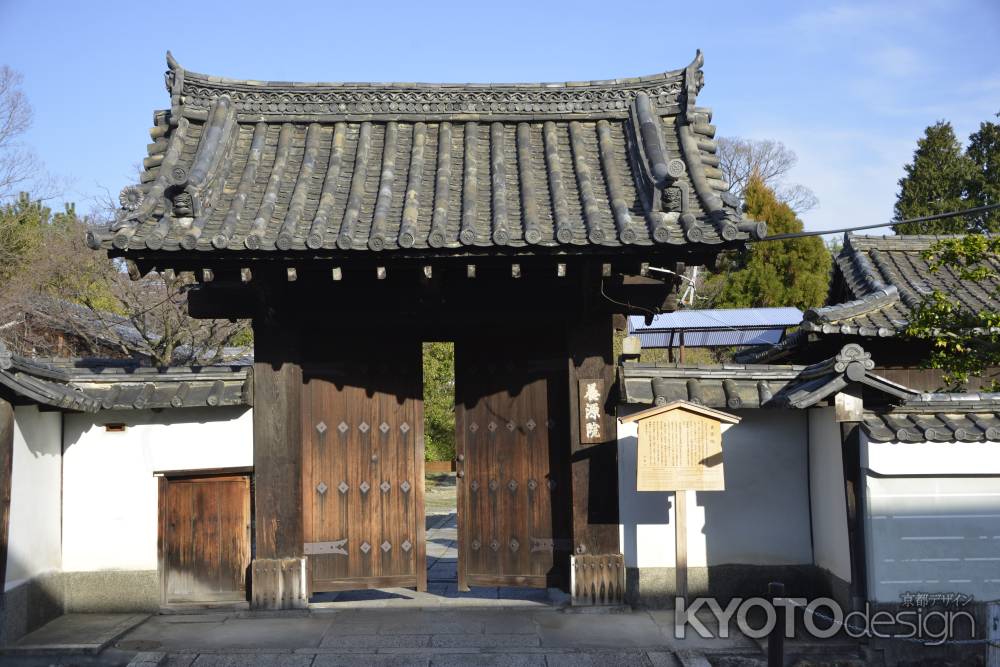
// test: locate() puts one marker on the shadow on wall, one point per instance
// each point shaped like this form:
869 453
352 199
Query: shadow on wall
759 529
76 424
29 604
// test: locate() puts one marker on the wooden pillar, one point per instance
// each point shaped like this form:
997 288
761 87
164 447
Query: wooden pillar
6 461
277 459
594 465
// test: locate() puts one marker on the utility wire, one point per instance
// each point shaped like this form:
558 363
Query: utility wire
926 218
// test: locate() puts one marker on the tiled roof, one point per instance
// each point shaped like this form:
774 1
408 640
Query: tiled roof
938 418
735 386
904 415
885 278
251 166
89 387
877 283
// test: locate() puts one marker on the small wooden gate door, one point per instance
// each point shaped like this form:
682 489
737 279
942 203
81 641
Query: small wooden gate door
363 471
204 538
513 486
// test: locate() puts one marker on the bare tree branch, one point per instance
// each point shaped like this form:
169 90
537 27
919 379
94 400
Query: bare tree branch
740 158
19 165
76 301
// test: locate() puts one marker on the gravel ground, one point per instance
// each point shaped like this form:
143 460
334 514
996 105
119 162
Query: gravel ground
439 494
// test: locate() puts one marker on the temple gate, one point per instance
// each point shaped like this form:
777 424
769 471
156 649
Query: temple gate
520 221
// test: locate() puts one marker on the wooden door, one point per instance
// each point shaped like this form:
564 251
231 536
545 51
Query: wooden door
513 487
363 471
204 538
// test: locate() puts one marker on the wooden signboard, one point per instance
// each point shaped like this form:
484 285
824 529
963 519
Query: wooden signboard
591 411
680 447
680 450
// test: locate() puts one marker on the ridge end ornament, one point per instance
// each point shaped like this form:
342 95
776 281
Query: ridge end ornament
130 198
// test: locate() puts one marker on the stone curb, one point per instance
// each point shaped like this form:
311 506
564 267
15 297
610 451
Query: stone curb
148 659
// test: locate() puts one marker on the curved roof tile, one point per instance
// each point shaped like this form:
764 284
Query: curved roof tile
257 166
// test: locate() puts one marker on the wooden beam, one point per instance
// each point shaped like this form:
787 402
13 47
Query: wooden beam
277 440
594 466
6 462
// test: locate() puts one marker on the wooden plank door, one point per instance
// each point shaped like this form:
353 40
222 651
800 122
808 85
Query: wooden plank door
363 471
513 486
204 538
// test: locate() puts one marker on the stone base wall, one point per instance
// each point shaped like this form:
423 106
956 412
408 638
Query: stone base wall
30 605
655 587
836 588
112 591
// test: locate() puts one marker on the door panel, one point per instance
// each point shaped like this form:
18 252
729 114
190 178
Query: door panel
363 472
513 492
205 538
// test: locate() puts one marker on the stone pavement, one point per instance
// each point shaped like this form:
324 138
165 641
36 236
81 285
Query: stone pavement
400 627
539 636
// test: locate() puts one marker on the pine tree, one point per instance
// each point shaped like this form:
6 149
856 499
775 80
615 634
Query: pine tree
794 272
937 181
984 183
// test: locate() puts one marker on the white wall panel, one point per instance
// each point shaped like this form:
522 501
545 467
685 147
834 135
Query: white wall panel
34 538
110 493
831 543
762 518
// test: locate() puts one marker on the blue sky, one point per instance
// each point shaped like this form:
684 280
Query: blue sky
848 86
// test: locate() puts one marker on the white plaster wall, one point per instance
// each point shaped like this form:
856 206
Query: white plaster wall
110 493
34 538
762 518
929 530
831 544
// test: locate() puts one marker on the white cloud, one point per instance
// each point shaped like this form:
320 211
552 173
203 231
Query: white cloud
896 61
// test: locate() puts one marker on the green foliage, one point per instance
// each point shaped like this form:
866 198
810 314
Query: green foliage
941 178
935 182
22 227
439 401
964 343
984 185
776 273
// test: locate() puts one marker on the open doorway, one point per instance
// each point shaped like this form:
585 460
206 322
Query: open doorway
440 503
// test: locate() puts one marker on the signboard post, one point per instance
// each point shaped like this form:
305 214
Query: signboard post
680 450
